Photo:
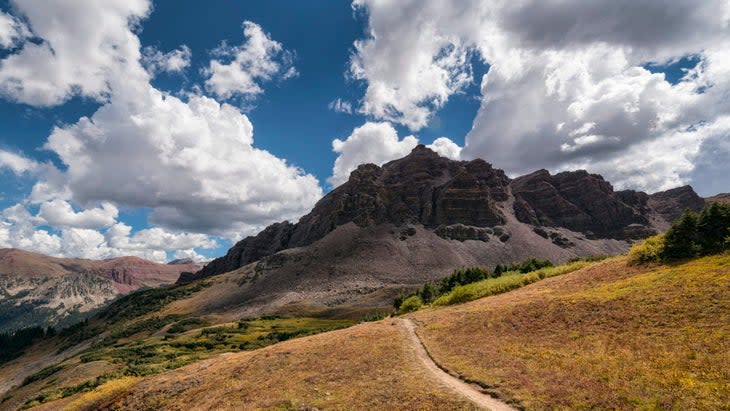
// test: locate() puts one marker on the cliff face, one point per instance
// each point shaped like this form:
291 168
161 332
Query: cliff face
672 203
421 188
580 202
467 200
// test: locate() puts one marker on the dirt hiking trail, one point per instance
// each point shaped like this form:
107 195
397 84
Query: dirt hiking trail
470 391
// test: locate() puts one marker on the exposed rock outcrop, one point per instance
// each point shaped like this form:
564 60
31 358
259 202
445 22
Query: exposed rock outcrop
421 188
672 203
575 200
470 200
463 232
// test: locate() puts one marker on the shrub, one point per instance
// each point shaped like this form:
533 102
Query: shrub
410 304
507 282
647 251
464 276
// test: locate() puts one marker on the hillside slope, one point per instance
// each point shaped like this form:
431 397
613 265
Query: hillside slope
607 336
40 290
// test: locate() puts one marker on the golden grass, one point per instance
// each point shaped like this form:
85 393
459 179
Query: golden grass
610 336
370 366
91 400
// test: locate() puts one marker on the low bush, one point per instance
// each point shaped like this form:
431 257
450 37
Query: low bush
463 276
529 265
410 304
188 324
647 251
507 282
42 374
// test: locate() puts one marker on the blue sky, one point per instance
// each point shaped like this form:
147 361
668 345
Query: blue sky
646 110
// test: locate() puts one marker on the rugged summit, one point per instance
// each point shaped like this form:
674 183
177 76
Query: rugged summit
459 200
671 204
414 220
720 198
421 188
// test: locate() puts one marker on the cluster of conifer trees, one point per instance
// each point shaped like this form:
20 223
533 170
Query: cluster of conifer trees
697 234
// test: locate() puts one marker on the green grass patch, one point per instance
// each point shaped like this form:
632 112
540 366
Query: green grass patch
152 355
507 282
187 324
42 374
63 392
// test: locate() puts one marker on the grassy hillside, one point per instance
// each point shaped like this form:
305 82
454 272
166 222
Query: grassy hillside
370 366
609 336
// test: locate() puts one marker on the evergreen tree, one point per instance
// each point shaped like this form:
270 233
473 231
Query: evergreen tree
428 293
713 227
681 240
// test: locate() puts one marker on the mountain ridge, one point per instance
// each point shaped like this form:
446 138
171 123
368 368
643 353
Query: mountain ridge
424 188
41 290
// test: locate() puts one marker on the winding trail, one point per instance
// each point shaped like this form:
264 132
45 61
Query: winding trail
470 391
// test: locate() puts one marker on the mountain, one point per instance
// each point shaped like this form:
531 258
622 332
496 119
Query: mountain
417 218
721 198
40 290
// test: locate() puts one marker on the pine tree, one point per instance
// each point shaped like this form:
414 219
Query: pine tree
713 227
681 239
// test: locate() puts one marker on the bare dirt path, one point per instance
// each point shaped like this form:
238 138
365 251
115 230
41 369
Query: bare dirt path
469 391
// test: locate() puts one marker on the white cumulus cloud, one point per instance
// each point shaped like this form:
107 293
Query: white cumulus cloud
446 148
378 143
59 213
257 60
92 234
12 31
174 61
191 160
568 82
18 163
83 44
372 142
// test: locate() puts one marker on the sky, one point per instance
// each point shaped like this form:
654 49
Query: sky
171 129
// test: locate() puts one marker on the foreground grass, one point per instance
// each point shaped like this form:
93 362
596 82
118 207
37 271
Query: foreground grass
367 367
180 346
611 336
507 282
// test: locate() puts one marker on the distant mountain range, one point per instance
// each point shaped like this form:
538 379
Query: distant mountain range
39 290
416 219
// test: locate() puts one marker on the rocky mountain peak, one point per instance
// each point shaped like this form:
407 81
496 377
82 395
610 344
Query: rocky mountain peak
670 204
445 195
